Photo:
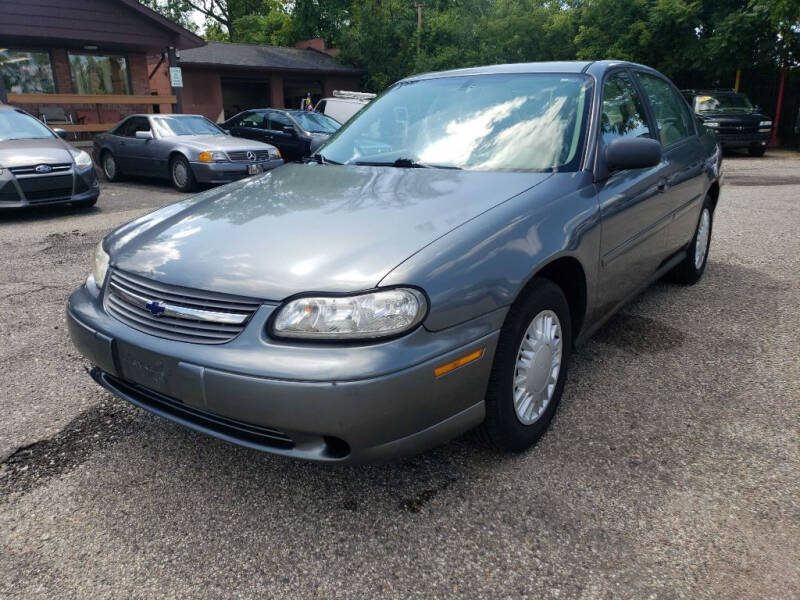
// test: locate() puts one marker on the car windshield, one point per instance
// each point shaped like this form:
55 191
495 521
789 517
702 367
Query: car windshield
168 126
315 122
15 125
725 101
527 121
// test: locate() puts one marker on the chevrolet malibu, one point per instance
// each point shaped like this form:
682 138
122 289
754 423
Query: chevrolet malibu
428 272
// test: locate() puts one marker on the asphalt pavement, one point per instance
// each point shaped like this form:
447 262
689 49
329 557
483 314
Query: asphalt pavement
672 469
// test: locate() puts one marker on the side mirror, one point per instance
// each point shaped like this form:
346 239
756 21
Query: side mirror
144 135
289 129
632 153
60 132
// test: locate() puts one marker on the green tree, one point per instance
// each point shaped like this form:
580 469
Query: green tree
177 11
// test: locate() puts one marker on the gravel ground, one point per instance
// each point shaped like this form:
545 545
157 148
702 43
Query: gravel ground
671 471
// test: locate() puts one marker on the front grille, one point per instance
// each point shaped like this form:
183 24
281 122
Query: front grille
49 187
31 170
8 193
189 415
260 155
186 315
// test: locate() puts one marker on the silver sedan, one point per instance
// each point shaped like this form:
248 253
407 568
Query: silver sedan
186 149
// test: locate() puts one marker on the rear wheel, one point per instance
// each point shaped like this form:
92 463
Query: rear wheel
757 150
529 370
110 167
691 269
182 175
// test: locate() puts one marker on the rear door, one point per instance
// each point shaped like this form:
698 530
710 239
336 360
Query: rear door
633 210
683 156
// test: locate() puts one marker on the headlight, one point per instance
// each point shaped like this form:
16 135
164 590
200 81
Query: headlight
212 157
363 316
711 124
83 160
765 124
99 264
275 153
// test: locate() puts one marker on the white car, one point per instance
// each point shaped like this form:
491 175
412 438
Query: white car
343 105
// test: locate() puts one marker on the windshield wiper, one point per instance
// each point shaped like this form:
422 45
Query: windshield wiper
318 158
403 163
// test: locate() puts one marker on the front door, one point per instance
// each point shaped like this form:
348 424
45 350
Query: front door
633 209
134 153
282 133
683 155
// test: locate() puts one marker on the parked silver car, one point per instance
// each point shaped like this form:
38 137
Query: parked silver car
187 149
38 167
429 273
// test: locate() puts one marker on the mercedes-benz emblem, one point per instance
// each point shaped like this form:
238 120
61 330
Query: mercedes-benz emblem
251 155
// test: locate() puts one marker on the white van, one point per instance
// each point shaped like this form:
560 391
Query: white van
343 105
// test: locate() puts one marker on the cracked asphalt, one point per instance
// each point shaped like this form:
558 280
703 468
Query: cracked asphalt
672 469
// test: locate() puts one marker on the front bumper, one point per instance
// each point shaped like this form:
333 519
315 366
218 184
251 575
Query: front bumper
225 172
61 187
336 403
743 140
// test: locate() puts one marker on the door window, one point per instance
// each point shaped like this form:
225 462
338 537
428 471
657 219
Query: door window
252 120
669 108
623 113
278 121
135 124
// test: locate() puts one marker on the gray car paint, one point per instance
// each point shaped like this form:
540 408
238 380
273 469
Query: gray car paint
152 157
470 240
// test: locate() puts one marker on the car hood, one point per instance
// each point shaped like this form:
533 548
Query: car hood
219 142
22 153
302 228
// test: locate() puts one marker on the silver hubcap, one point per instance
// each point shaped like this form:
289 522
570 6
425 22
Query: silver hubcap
537 367
110 166
703 232
179 173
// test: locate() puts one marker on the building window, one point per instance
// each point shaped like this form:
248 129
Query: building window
99 74
26 71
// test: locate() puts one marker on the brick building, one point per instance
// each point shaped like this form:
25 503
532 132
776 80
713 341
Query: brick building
83 64
222 79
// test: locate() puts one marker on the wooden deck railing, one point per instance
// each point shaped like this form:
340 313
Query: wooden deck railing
97 100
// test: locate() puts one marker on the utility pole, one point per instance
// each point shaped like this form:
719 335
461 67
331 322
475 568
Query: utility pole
418 6
3 95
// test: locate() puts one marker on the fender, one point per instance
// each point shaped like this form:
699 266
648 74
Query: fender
464 280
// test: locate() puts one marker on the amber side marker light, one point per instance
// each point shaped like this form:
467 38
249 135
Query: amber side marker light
459 362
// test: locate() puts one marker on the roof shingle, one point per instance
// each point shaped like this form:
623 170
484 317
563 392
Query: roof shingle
263 57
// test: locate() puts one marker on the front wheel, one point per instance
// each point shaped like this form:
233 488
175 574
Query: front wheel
182 175
691 269
529 370
85 203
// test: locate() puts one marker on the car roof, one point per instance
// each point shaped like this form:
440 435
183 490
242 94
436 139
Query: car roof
567 66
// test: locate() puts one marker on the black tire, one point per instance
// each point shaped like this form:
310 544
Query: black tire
110 166
757 150
179 166
502 428
688 272
85 203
